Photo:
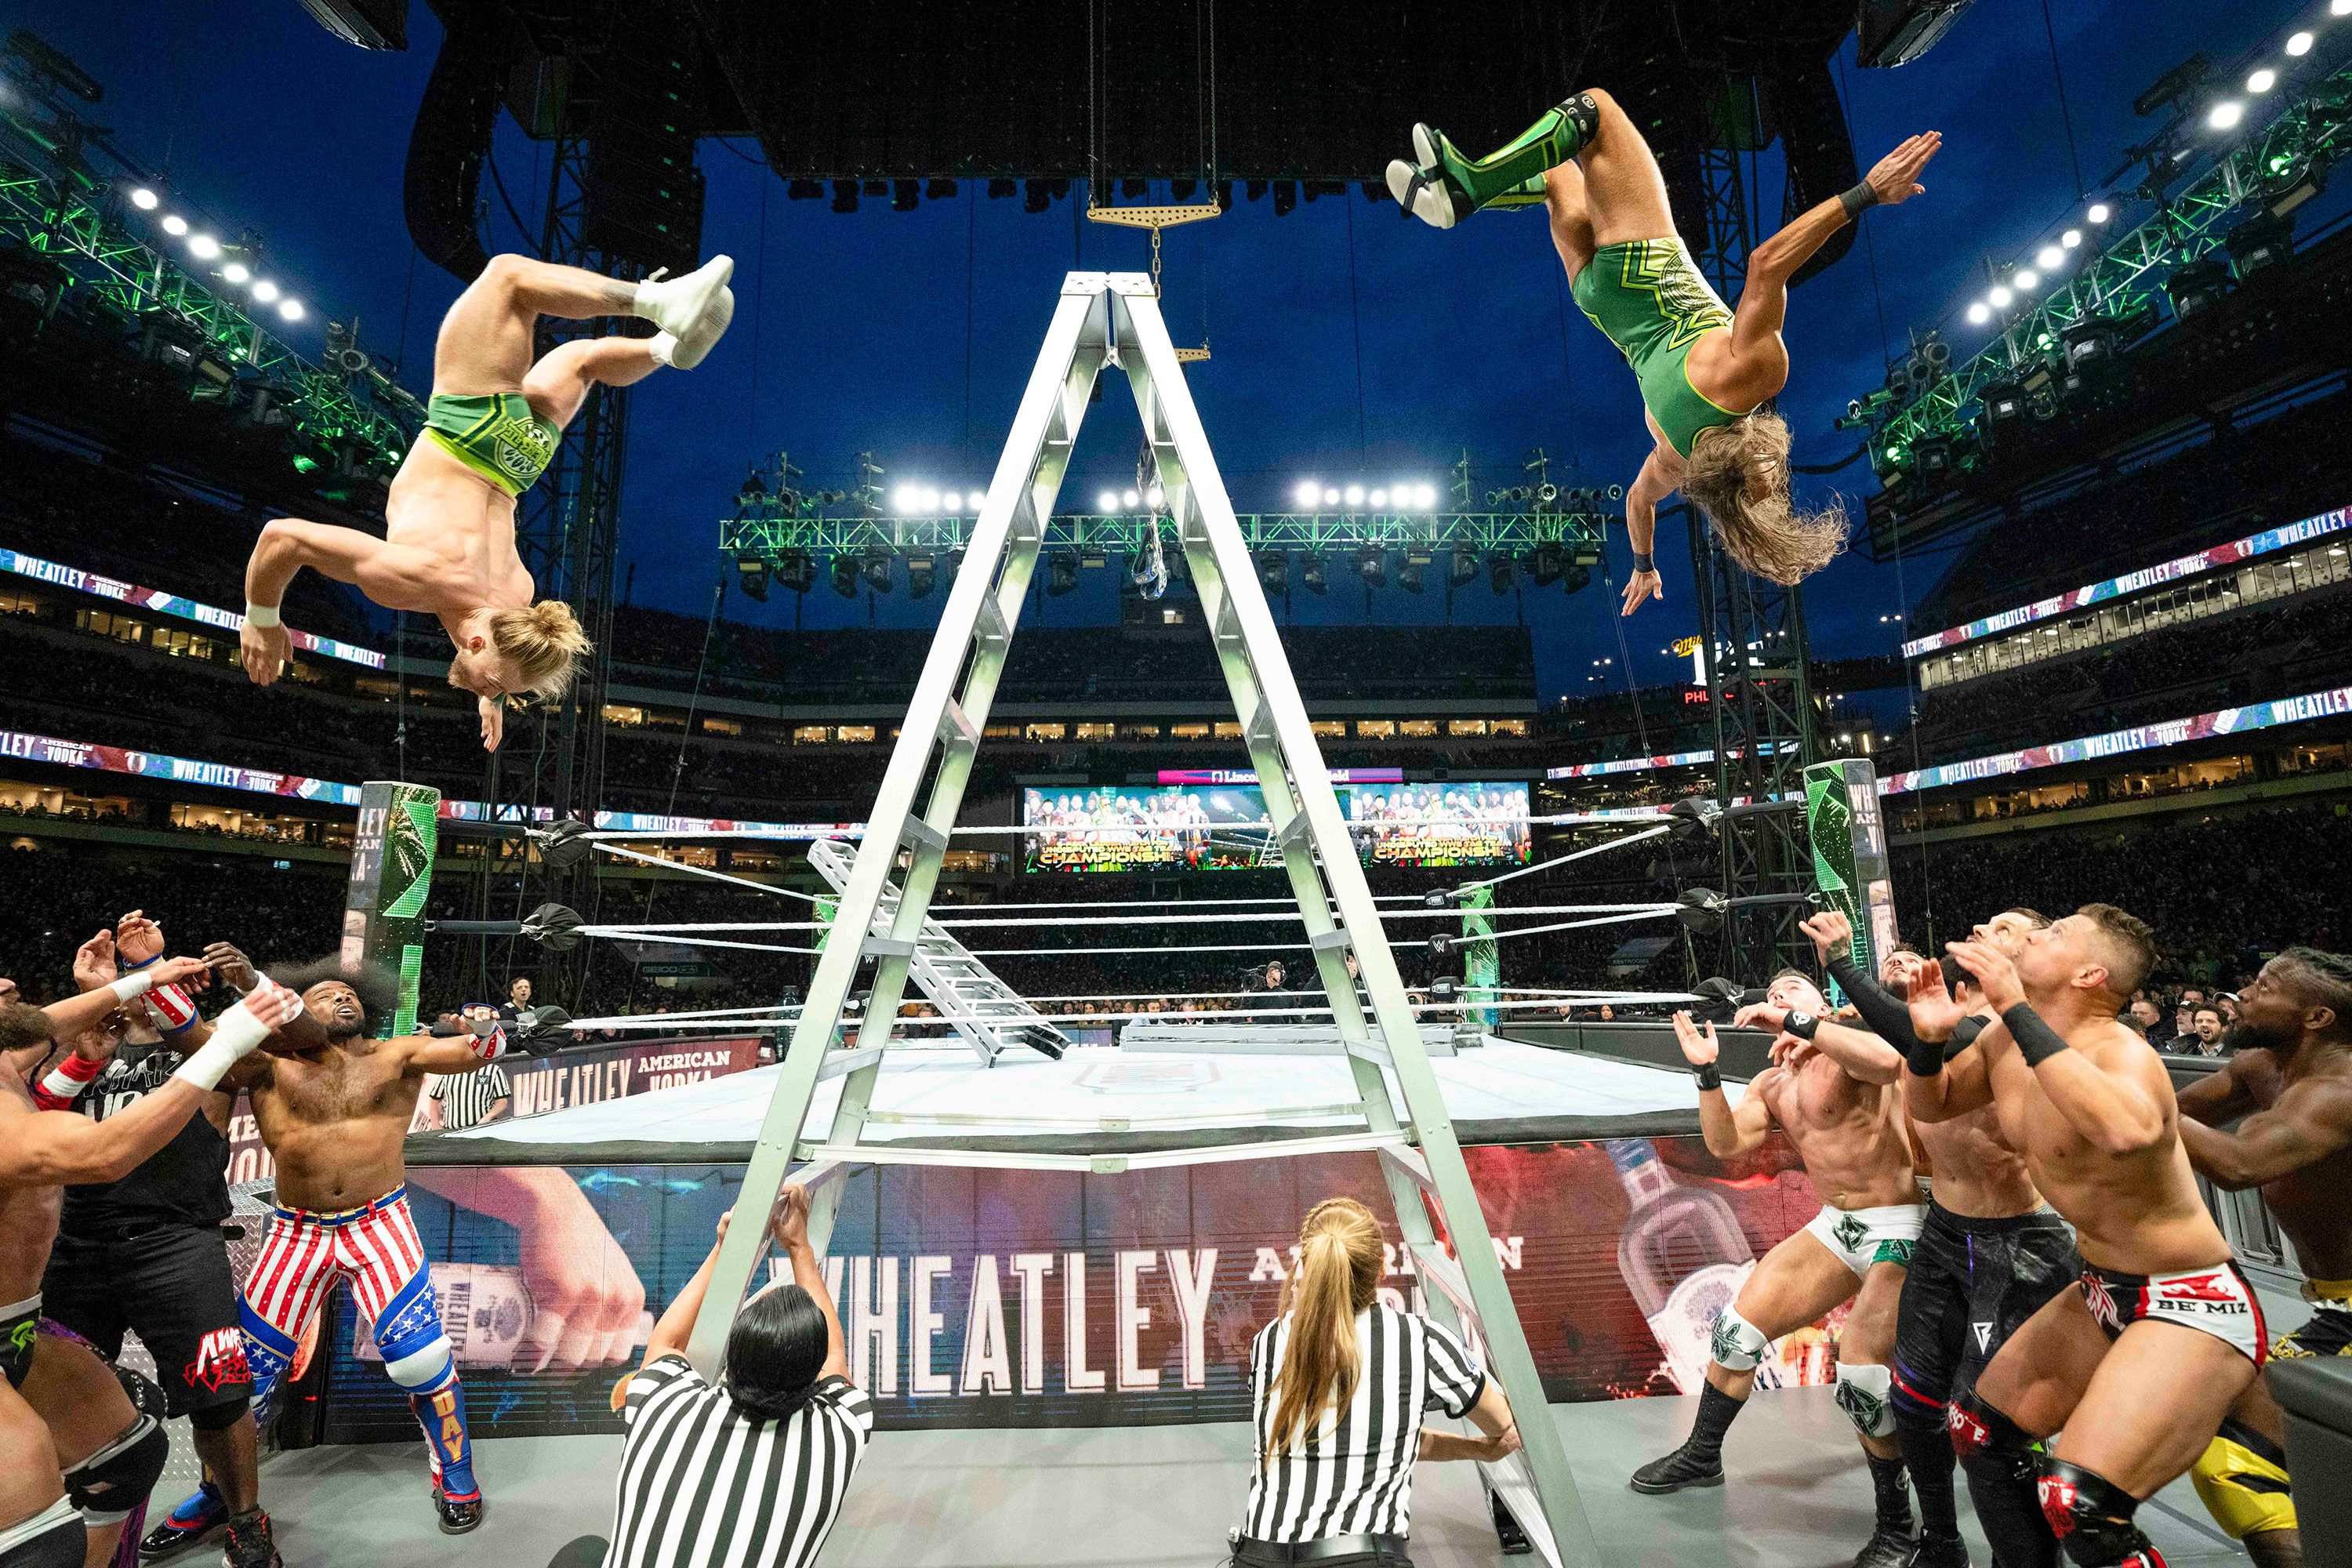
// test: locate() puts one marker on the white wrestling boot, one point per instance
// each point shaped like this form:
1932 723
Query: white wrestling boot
695 309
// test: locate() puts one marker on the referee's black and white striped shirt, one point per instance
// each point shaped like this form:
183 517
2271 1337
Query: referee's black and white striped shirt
1354 1475
466 1097
702 1483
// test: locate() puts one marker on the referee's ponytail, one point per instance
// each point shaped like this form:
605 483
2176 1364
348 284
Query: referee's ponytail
1340 1263
774 1352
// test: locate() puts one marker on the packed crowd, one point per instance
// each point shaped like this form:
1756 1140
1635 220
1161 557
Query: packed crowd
2266 651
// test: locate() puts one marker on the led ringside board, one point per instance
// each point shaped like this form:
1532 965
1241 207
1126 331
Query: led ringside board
1850 864
1200 827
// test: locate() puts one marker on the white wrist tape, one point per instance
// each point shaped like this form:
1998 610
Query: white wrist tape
234 1034
262 616
133 986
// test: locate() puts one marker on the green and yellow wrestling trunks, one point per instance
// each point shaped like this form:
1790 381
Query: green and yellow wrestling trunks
1648 297
495 433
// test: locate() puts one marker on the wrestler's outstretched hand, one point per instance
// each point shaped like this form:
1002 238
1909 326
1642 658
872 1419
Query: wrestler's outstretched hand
1896 177
1640 587
1935 1012
494 722
1697 1050
262 651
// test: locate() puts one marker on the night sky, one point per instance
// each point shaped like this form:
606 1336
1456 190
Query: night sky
912 334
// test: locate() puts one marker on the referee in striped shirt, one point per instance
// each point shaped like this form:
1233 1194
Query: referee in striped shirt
751 1472
1337 1387
469 1100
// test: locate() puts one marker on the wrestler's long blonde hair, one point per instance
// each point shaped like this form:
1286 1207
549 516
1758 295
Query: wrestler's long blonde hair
1762 531
1339 1262
545 642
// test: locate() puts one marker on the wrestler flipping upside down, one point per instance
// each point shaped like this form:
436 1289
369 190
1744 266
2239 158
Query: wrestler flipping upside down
448 549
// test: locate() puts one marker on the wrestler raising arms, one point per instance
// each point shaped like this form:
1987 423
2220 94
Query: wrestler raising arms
1706 371
448 549
2139 1365
2290 1076
107 1453
1831 1089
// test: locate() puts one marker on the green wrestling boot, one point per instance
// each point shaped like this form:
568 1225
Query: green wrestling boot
1442 187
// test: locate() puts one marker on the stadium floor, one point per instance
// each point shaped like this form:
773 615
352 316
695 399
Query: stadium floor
1155 1497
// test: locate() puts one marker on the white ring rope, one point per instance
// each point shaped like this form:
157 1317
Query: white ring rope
1461 1003
1573 855
1294 914
857 829
707 871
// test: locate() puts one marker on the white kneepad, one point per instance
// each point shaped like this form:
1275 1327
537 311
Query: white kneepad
1866 1393
1737 1344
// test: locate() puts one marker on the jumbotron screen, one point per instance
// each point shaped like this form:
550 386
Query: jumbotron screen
1205 828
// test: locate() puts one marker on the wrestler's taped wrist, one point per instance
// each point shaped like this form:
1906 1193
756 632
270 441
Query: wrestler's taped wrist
133 986
234 1034
1804 1026
1709 1075
1644 561
1923 1058
1860 198
262 616
2037 1042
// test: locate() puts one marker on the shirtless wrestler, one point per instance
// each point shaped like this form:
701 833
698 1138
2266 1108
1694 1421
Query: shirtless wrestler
1830 1088
2289 1075
2140 1364
103 1449
1990 1254
332 1109
491 428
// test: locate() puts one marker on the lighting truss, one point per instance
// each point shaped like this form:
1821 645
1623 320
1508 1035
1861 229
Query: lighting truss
765 531
2128 275
56 214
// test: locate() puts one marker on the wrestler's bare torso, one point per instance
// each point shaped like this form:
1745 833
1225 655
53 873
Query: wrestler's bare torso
2137 1212
1849 1133
333 1119
29 1216
2312 1205
464 528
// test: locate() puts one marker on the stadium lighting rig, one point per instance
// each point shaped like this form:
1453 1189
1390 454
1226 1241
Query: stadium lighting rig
2072 300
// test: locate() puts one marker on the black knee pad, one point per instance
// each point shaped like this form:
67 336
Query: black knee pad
2092 1518
116 1479
1989 1441
222 1417
146 1397
1583 112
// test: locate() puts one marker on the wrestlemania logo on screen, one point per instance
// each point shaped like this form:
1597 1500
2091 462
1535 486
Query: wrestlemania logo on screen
1194 828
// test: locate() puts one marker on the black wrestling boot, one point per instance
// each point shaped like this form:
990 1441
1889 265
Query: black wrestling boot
1892 1545
1699 1462
250 1544
1939 1551
458 1515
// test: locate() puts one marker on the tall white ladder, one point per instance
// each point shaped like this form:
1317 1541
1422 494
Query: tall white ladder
991 1016
1112 320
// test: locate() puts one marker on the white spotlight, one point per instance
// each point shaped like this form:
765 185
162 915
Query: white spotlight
1107 502
1979 314
1155 498
264 289
904 498
2071 239
236 272
1130 498
2226 115
2299 44
1424 496
2339 7
2000 297
175 223
931 501
1380 498
951 503
2026 277
290 309
144 199
2262 80
1309 492
2050 258
1353 495
1330 496
2100 212
202 247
